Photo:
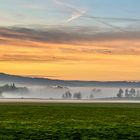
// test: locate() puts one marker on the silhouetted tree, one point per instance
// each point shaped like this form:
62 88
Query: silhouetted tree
13 88
126 93
120 93
67 95
77 95
132 92
96 90
91 96
138 93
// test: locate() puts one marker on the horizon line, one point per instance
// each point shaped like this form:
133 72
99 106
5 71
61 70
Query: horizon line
47 77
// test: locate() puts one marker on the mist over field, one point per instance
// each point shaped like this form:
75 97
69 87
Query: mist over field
56 92
13 86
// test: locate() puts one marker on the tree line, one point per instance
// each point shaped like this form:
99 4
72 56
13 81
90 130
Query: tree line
77 95
13 88
128 93
69 95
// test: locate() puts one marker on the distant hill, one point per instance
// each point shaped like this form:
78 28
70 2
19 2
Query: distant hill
7 78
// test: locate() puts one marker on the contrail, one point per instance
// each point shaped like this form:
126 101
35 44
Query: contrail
114 19
76 13
100 20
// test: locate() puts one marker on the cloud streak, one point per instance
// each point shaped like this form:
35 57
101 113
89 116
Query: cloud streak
114 19
68 35
65 44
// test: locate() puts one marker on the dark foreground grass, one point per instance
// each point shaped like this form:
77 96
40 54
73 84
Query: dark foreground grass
70 121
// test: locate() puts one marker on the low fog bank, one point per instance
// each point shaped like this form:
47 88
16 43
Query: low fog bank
38 92
60 92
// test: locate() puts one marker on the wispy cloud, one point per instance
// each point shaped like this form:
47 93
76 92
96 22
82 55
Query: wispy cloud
65 44
67 35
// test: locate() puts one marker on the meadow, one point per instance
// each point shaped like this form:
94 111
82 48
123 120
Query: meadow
63 121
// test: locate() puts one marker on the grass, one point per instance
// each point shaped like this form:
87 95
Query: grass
69 121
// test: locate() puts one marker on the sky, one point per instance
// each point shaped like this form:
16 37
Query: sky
71 39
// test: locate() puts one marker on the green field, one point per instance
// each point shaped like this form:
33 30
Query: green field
69 121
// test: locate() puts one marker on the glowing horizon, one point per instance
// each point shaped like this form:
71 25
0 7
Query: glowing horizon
59 40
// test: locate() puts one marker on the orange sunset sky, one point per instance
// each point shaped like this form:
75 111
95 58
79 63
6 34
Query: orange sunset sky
70 39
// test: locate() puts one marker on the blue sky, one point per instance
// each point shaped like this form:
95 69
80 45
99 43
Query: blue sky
52 12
